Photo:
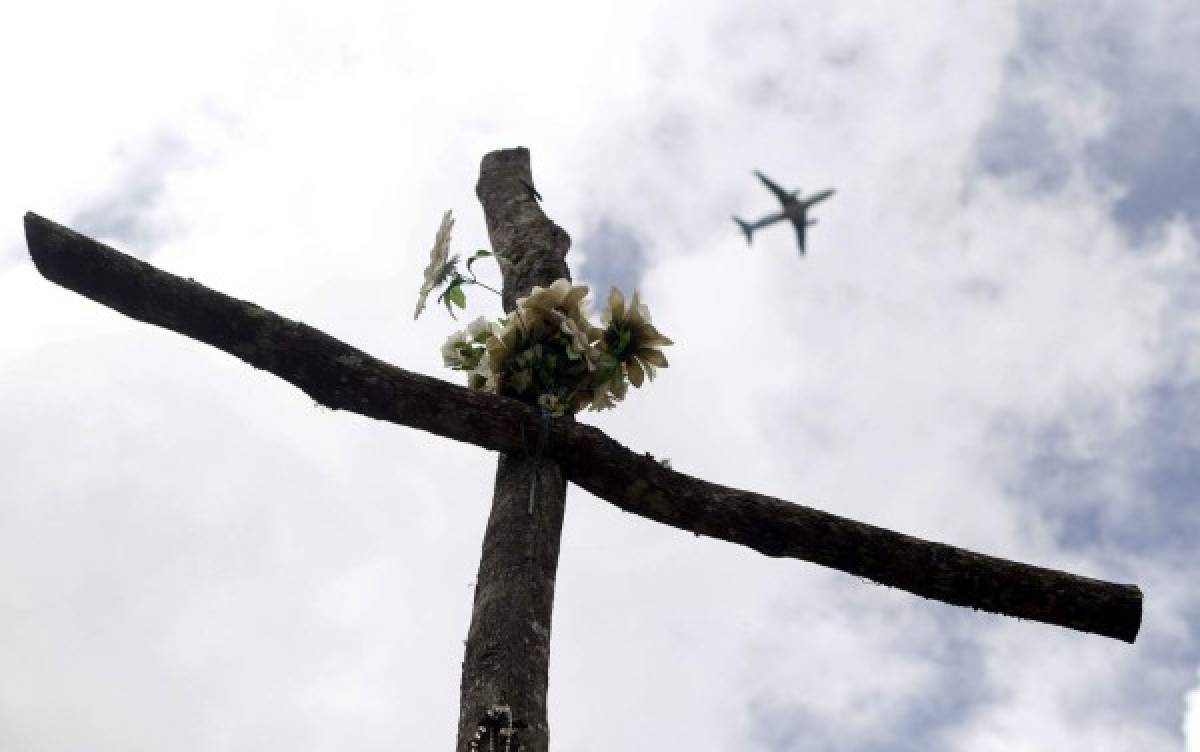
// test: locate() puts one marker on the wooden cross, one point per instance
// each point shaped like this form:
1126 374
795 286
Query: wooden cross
505 669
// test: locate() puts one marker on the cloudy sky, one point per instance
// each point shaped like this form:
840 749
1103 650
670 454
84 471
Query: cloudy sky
994 342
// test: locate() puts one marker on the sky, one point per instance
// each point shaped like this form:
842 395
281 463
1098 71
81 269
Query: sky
993 342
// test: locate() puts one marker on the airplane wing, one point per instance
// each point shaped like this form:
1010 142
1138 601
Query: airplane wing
817 198
784 197
801 225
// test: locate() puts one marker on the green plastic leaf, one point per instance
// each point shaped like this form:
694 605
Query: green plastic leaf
454 294
454 279
624 341
481 253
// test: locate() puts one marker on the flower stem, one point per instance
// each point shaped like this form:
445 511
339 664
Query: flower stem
475 281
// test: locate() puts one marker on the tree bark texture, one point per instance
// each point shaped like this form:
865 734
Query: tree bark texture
506 669
341 377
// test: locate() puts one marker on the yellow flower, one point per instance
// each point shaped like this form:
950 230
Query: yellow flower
439 262
631 338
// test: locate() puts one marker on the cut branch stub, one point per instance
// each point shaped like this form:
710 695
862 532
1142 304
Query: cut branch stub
520 231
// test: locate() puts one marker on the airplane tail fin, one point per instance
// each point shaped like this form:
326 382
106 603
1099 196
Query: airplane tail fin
747 230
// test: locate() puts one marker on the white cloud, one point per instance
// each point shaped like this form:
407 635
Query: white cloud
196 557
1191 720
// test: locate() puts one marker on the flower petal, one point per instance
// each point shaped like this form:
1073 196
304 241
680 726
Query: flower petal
451 357
601 399
619 387
421 296
437 260
574 299
478 328
634 369
559 290
652 357
635 306
651 337
616 307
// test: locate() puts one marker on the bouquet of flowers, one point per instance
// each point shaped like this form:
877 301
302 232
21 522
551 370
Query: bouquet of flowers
547 352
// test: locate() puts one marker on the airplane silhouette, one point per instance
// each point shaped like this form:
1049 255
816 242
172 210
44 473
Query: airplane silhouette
794 208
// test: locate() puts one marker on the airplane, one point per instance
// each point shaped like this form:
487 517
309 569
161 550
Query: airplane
794 208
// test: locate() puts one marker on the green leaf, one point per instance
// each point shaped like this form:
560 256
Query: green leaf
618 336
454 294
481 253
455 279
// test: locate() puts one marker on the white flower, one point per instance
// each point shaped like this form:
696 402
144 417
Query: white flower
560 299
439 263
548 353
603 395
631 338
602 398
560 294
464 350
451 353
478 330
501 342
482 377
579 339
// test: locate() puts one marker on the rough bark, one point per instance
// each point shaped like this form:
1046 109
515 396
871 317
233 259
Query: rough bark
341 377
507 660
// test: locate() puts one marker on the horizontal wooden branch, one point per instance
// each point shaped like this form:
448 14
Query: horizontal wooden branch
341 377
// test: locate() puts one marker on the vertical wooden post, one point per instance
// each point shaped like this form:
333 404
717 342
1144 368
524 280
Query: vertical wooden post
506 666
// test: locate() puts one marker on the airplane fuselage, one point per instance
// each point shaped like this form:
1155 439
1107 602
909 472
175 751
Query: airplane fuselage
796 212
